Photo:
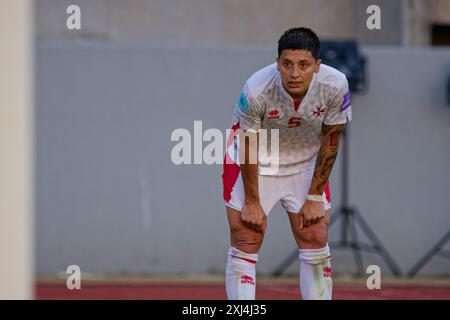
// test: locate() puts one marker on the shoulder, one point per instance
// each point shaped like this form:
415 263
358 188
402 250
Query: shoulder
332 78
335 86
261 80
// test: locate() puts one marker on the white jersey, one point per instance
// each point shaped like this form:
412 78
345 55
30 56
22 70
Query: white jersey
265 104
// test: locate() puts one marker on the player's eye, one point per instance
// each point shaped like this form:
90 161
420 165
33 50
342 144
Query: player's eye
287 64
304 66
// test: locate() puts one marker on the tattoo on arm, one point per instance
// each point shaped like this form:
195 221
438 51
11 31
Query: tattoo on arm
334 137
326 157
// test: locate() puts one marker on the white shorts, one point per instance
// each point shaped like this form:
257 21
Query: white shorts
291 190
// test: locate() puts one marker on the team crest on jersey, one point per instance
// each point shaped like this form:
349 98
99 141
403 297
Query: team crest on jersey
273 114
318 111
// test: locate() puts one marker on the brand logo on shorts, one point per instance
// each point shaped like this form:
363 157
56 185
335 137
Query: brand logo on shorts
327 272
274 114
247 279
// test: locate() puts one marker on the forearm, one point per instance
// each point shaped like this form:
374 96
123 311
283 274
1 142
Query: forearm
249 166
325 158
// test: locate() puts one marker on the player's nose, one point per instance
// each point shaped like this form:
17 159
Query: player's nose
295 73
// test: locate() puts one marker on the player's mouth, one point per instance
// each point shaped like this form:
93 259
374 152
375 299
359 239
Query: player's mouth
295 84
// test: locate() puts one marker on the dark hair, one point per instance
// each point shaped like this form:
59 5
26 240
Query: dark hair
300 39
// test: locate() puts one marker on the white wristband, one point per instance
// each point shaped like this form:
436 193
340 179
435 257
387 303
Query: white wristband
314 197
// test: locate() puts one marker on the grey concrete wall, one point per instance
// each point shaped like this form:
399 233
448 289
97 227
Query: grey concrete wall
231 21
187 21
110 200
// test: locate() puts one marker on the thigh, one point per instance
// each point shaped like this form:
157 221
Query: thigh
242 237
293 190
234 193
313 237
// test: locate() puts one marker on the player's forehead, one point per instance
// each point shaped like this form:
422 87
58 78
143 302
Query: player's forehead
296 55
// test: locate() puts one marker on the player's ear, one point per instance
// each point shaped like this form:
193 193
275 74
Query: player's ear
318 62
277 59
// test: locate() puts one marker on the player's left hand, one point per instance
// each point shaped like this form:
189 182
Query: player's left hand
311 213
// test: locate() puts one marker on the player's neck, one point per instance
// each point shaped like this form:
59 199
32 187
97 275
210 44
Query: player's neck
297 97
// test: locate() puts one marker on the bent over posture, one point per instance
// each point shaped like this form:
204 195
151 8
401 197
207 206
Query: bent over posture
308 103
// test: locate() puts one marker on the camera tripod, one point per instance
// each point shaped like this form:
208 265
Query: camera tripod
436 250
351 218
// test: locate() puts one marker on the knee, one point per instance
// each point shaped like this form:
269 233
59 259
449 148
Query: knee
246 241
312 239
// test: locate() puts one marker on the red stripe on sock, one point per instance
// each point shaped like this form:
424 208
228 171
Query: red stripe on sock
245 259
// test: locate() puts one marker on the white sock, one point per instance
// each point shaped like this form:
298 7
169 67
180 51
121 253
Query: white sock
315 274
240 275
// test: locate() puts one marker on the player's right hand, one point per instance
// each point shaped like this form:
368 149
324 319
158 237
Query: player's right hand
253 216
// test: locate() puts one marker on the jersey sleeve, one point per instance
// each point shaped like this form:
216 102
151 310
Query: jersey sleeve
340 108
248 112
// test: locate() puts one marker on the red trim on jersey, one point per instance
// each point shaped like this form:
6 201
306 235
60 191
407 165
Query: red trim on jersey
245 259
297 104
327 192
232 134
231 170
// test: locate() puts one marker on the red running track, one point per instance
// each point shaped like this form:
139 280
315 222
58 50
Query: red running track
217 292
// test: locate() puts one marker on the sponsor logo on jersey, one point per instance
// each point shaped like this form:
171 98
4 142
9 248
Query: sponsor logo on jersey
294 122
247 279
274 114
